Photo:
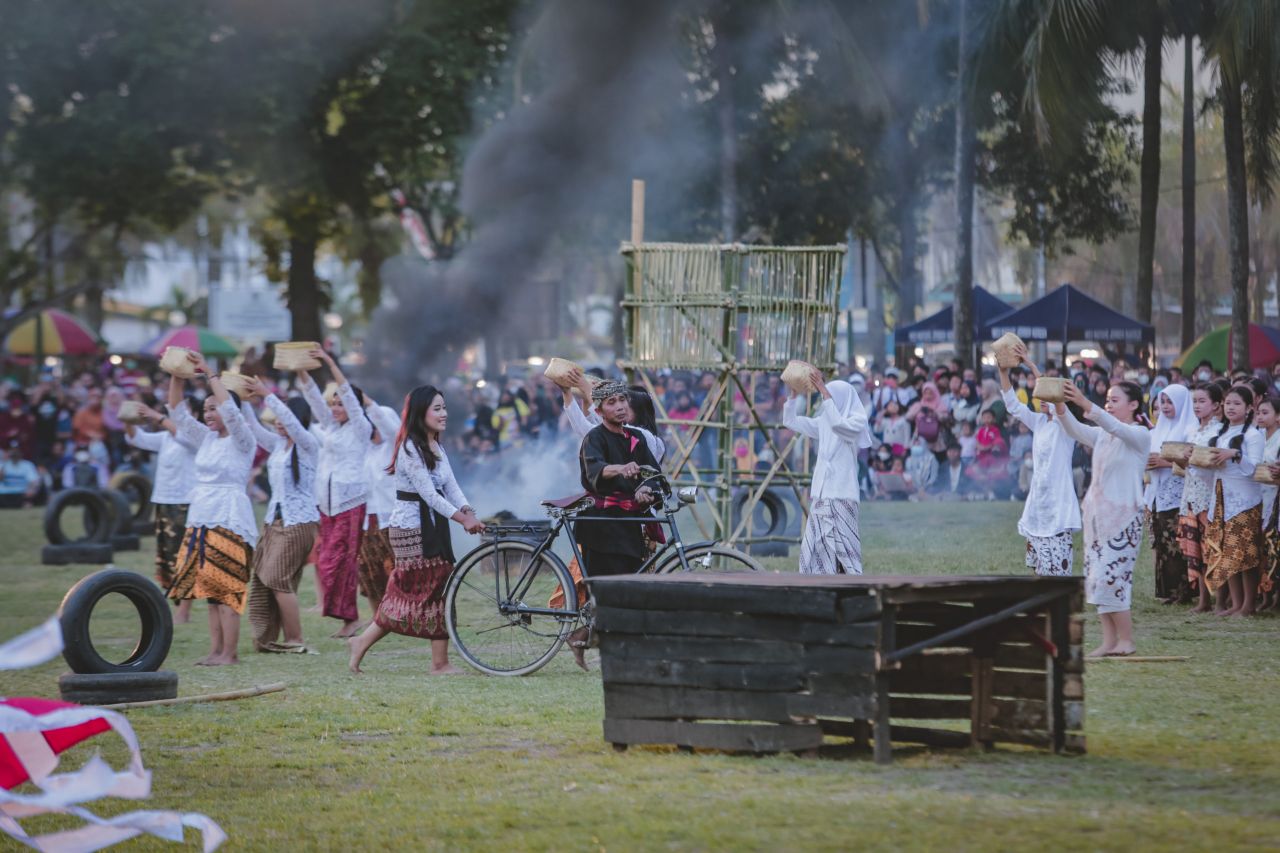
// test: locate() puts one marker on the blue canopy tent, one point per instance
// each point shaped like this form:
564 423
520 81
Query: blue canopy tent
1067 314
936 328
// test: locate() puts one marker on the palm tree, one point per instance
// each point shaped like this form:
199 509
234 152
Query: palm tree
962 305
1188 195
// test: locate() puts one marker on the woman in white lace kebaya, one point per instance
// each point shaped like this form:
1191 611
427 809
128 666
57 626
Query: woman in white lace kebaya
1112 509
1197 490
217 546
1233 536
376 558
292 520
427 498
1163 497
342 489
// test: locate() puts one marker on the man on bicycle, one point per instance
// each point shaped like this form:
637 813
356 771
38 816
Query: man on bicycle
610 459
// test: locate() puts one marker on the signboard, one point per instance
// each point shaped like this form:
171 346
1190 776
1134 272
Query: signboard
249 313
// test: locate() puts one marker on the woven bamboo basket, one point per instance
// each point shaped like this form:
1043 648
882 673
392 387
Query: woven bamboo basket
131 412
558 370
174 361
1202 457
295 355
1262 474
796 376
1178 470
1050 389
267 417
1006 348
236 382
1173 451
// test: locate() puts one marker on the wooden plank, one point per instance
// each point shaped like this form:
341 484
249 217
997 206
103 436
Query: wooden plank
1073 687
728 736
1021 656
1075 744
1039 737
1073 716
712 676
1060 630
712 650
705 623
883 739
941 673
839 660
982 623
1020 714
651 702
991 585
915 708
818 604
1075 634
1009 684
857 608
981 705
929 737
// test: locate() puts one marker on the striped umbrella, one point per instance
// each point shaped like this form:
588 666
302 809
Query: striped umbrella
196 338
59 334
1215 346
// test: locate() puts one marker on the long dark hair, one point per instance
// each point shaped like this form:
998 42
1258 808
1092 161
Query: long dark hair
1245 393
302 411
413 426
1134 394
642 411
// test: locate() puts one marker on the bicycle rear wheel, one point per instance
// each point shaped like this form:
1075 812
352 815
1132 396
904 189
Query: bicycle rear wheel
710 558
486 608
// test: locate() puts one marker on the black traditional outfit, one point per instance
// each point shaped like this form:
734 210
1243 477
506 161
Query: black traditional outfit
611 547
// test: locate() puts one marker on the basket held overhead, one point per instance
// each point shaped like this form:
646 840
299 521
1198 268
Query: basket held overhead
1050 389
796 376
131 412
295 355
174 361
1007 349
237 382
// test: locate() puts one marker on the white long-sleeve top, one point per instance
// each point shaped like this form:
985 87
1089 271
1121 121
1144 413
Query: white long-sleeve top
295 502
839 437
1051 506
583 422
175 475
1239 490
1119 458
1270 453
382 486
1197 487
223 465
340 475
438 487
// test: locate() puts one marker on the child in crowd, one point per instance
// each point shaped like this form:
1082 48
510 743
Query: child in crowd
1233 537
1267 419
968 443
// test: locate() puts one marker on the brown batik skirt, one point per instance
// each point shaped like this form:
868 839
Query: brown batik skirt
376 560
171 523
1271 550
1170 564
277 567
1191 543
214 564
1231 546
414 602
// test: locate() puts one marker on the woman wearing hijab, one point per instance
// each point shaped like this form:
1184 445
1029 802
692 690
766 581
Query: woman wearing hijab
832 543
928 414
1163 495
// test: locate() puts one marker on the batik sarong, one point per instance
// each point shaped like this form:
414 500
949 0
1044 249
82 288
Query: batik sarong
831 544
1170 564
414 602
171 523
1231 546
277 567
1051 556
338 562
376 561
214 564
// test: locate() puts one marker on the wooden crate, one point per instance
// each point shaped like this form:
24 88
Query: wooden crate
771 662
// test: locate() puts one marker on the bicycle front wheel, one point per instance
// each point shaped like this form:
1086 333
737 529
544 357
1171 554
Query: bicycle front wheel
710 558
488 605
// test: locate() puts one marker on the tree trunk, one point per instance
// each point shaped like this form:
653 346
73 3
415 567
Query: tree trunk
726 119
1150 167
1237 221
909 295
962 306
304 290
1258 279
1188 196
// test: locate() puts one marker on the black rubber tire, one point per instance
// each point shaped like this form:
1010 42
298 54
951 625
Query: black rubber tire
121 512
93 553
126 542
772 503
96 512
110 688
157 623
137 488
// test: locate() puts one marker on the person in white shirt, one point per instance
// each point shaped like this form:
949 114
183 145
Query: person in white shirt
1051 514
583 417
1112 509
1267 419
217 547
292 520
1197 490
427 498
1233 537
171 490
342 490
376 557
832 542
1163 497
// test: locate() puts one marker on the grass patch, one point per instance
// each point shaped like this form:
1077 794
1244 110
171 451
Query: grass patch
1181 755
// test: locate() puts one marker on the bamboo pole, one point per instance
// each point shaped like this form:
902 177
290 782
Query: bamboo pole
246 693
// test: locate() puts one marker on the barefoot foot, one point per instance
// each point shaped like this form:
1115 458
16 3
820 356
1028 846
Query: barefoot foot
448 669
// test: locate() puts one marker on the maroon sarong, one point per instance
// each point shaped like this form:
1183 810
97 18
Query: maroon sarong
338 562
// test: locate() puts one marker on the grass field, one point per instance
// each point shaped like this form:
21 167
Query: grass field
1181 755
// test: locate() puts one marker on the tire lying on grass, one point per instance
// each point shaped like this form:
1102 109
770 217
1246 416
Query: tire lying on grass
153 610
98 517
137 488
112 687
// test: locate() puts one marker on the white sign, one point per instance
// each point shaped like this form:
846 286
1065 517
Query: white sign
249 313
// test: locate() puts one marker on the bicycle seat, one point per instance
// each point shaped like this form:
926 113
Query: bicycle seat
581 500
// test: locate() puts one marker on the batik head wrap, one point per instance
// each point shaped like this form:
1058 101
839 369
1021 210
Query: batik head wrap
605 390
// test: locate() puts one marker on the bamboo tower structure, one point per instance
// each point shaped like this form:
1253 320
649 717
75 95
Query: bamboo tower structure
740 312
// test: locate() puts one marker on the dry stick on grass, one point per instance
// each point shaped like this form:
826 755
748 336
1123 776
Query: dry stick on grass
1143 658
246 693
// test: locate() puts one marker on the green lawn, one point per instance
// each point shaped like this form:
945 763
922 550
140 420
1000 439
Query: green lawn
1181 755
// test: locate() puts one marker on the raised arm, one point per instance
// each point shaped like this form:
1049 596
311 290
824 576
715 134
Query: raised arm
1086 435
148 441
302 437
851 427
384 419
794 421
1031 419
237 426
1135 436
186 428
579 423
267 439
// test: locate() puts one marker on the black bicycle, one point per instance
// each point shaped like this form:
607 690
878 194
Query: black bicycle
511 602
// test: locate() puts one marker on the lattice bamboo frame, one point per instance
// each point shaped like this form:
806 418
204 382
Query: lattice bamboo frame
738 311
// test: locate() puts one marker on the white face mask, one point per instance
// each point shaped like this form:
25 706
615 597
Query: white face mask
1204 376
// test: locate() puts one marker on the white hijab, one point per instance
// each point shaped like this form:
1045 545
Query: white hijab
1181 425
848 403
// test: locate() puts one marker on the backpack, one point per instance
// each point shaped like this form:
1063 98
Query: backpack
927 426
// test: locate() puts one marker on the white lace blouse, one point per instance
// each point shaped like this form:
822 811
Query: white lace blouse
340 475
295 502
1051 506
1270 453
175 474
223 465
1119 457
439 488
382 486
1197 490
1240 492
